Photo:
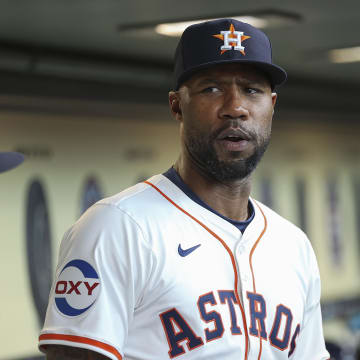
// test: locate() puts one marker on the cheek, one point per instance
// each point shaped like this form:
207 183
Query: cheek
181 130
264 123
197 119
202 108
268 122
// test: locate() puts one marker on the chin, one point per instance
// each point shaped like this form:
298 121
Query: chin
227 171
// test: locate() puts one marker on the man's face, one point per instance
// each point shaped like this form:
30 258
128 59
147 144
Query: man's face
225 116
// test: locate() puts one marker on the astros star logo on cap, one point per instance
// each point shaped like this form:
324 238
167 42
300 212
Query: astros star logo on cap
232 39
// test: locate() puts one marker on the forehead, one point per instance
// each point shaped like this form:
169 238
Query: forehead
227 72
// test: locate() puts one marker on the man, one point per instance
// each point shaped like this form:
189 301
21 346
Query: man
186 265
9 160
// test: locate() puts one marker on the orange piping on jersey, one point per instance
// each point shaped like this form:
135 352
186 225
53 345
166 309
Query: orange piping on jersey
82 340
251 267
260 350
227 249
256 243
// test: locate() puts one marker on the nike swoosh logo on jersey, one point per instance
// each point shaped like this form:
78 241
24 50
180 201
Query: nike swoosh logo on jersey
186 252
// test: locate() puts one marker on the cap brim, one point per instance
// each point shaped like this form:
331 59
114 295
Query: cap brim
9 160
276 74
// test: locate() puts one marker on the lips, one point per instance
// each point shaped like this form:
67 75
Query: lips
234 139
233 134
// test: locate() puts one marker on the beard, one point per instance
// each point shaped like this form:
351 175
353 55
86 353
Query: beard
202 152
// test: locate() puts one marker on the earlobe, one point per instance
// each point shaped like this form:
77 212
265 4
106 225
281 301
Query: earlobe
174 103
176 106
273 98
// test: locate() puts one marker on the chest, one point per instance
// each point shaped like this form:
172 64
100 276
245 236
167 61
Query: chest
218 289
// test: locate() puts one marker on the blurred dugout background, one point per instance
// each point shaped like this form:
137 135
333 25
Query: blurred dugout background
83 94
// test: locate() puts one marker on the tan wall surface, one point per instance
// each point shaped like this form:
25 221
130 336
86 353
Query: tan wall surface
120 151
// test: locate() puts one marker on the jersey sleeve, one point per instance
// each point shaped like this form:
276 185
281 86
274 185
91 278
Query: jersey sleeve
310 344
103 266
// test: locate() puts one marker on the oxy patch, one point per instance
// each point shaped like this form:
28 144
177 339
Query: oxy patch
76 288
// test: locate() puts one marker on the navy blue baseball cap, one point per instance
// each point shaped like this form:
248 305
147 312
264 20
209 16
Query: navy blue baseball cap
9 160
224 41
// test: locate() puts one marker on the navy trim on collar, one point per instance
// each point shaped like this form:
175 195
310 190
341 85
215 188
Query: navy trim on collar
175 178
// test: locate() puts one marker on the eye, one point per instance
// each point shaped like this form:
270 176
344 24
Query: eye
251 90
210 89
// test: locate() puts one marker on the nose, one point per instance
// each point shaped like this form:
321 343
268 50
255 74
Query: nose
234 105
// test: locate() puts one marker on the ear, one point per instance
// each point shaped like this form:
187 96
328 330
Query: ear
174 103
273 98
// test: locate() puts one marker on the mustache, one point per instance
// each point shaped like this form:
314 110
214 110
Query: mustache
234 125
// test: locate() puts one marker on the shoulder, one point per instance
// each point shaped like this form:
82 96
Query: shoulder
133 211
141 200
289 248
285 234
131 203
276 222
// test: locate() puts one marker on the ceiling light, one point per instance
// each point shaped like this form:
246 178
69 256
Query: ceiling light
177 28
262 18
345 55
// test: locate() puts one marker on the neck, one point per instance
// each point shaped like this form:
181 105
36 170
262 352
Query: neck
230 199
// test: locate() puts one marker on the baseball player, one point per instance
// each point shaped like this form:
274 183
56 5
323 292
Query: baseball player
10 160
186 264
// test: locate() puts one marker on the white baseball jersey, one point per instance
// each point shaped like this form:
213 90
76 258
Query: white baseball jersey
149 274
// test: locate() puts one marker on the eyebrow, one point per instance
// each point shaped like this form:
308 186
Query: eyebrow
207 80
